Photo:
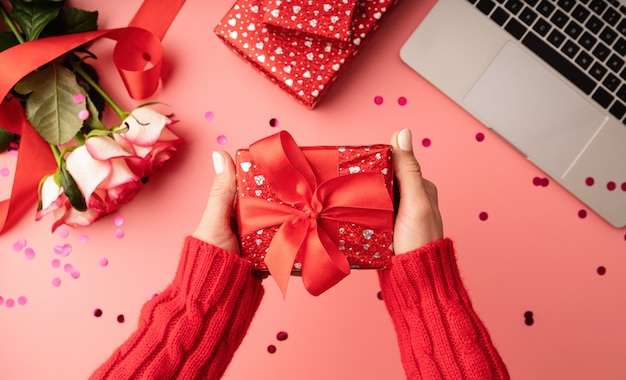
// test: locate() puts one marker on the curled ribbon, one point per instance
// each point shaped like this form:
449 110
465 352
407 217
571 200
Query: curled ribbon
310 212
137 56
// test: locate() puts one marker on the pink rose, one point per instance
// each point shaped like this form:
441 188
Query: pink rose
53 200
103 176
149 138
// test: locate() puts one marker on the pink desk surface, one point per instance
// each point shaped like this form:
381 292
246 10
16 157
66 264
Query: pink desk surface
532 254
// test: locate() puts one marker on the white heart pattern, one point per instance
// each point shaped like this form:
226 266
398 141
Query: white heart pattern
245 166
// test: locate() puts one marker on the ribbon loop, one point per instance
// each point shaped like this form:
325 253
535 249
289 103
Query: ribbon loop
308 213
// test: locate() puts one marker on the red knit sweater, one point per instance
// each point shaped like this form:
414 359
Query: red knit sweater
192 329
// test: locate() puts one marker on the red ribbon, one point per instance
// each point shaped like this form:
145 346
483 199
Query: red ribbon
309 213
137 56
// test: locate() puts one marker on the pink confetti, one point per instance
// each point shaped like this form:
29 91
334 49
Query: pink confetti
29 253
119 233
19 244
209 115
103 262
63 250
56 282
402 101
68 268
4 172
21 300
78 98
56 263
83 115
9 302
426 142
378 100
222 140
64 233
118 221
75 274
1 301
83 239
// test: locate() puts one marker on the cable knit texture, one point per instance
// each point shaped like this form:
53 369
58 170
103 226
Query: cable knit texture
191 329
439 334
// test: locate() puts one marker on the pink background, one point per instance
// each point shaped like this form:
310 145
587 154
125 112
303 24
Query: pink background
532 254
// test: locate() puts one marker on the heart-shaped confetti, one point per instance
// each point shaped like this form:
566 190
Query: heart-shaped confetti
63 250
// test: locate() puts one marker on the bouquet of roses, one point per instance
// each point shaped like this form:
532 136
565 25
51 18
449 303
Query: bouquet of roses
98 167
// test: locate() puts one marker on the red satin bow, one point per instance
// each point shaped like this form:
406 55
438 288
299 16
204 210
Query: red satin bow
137 44
309 213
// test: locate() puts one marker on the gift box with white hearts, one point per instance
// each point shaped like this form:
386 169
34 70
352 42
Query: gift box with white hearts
267 34
320 211
330 19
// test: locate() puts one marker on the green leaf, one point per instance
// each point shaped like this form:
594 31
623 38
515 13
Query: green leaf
72 20
71 190
94 120
5 138
50 107
33 16
7 40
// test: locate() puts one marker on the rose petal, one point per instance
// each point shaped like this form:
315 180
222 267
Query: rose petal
120 174
104 148
144 126
50 192
87 171
75 218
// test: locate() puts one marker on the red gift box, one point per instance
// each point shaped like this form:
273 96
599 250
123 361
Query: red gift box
330 19
304 66
319 211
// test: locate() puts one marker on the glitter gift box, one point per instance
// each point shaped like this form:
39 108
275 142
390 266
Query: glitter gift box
305 66
330 19
317 211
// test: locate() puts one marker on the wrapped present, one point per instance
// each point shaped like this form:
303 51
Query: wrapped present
330 19
306 65
318 211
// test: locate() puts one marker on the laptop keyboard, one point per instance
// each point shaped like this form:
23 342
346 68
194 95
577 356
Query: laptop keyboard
584 40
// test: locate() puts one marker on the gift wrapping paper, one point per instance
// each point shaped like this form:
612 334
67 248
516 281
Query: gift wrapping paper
330 19
305 66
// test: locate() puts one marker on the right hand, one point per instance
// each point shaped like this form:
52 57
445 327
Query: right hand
418 221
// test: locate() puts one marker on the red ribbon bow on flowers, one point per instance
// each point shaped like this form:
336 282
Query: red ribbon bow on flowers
309 212
137 44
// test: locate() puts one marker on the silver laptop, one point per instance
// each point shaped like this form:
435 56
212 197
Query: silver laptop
548 76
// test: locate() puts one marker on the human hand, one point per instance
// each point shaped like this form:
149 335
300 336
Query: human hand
418 221
215 226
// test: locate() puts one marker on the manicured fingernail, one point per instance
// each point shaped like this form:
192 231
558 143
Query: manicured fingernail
404 140
218 162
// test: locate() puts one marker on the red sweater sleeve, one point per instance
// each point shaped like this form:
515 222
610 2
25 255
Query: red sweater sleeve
439 333
191 329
